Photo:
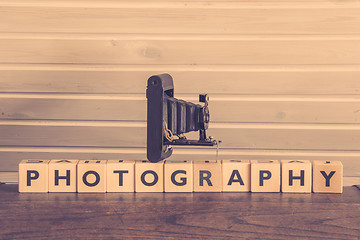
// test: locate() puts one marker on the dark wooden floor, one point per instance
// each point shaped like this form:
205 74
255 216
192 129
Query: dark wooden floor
174 216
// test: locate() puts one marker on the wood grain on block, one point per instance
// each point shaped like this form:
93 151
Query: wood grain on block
149 177
34 175
178 176
296 176
236 175
91 176
207 176
265 176
63 175
120 176
327 176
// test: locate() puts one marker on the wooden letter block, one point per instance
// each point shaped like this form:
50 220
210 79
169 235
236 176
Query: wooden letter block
327 177
62 175
149 177
265 176
207 176
178 176
120 176
91 176
236 175
34 176
296 176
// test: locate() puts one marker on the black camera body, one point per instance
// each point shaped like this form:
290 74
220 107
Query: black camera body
168 118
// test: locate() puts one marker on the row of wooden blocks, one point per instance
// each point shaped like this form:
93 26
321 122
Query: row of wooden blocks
180 176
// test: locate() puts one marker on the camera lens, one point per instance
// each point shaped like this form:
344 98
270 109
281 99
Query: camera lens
204 118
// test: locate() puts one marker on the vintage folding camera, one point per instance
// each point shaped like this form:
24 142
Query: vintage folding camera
169 118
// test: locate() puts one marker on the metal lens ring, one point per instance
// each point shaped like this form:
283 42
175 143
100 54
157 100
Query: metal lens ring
204 118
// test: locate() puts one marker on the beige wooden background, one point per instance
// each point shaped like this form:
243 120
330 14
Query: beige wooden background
283 77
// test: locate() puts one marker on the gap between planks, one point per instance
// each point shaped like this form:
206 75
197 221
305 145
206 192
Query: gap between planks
188 151
213 4
180 68
187 97
113 37
185 4
214 125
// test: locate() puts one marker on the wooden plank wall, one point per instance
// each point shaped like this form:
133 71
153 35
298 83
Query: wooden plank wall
283 77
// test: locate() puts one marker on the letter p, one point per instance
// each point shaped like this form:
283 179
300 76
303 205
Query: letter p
31 175
264 175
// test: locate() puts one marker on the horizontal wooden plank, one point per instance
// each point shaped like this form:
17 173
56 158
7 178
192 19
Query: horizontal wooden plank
73 136
9 177
287 137
225 18
252 136
183 4
301 109
73 109
171 51
239 79
234 108
10 157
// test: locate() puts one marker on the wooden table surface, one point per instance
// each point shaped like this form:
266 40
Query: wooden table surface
175 216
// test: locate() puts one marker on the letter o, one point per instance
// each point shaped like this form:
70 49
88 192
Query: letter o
156 178
97 180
